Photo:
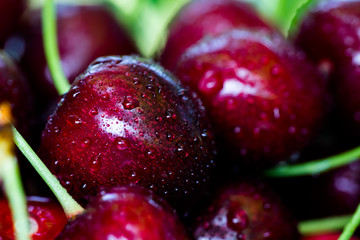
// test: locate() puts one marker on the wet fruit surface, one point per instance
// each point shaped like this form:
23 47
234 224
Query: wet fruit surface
329 35
206 18
264 99
126 120
47 219
130 213
245 210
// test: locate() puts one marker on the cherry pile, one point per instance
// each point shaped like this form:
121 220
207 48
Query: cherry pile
177 147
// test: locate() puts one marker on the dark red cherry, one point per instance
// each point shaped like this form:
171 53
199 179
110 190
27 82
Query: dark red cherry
47 219
202 18
127 212
329 35
242 210
127 120
331 236
85 32
10 12
265 101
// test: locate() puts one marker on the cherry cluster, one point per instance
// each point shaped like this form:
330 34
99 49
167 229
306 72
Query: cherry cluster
177 147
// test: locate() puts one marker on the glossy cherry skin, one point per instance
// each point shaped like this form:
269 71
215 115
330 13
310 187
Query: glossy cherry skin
10 12
127 120
47 219
264 100
127 212
85 32
329 35
245 209
331 236
202 18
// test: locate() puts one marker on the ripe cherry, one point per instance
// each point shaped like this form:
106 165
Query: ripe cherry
265 101
127 120
329 35
206 18
47 219
245 209
126 212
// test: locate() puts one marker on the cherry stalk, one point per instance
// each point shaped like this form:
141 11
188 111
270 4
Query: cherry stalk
10 175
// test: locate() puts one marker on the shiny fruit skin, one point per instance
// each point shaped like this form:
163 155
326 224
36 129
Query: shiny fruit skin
202 18
85 32
47 219
127 120
329 35
264 100
245 209
126 212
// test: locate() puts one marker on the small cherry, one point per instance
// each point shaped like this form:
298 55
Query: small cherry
245 209
127 120
126 212
47 219
203 18
264 99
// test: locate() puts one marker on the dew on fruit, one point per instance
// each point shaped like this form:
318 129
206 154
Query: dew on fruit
209 83
237 130
130 103
95 162
85 142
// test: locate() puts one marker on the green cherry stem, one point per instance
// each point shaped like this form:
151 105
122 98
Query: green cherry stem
330 224
316 166
70 206
51 47
10 175
351 226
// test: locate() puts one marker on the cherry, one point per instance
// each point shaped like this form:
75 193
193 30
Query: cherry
206 17
245 209
47 219
332 236
126 212
10 12
329 35
259 92
127 120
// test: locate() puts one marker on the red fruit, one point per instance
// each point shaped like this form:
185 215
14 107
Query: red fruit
85 32
126 213
202 18
264 99
245 210
127 120
10 12
329 35
333 236
47 219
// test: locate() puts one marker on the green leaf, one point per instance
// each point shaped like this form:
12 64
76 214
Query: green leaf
300 14
146 20
283 12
